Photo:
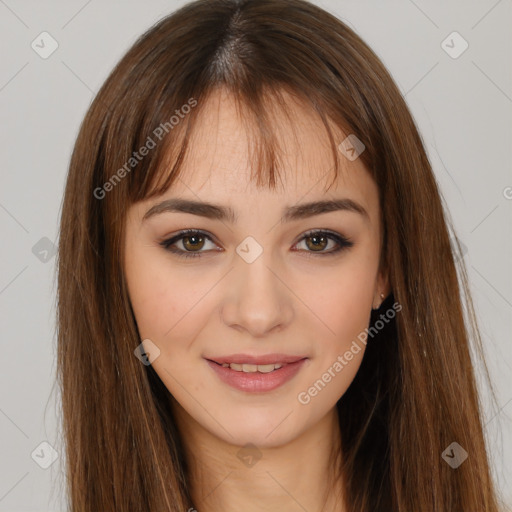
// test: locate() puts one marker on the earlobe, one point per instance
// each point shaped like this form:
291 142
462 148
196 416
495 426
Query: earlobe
382 290
382 297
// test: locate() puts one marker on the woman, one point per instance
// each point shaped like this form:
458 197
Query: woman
259 307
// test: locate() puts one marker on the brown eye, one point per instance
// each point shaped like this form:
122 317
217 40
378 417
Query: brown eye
193 242
318 241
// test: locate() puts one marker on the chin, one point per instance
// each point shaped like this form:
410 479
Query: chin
263 425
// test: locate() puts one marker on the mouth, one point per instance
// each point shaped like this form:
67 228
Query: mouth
251 364
256 373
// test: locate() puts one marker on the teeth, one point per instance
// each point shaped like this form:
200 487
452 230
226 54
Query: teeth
253 368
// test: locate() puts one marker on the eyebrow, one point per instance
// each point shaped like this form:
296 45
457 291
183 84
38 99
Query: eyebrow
226 213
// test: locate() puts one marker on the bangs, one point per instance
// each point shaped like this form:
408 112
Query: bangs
258 114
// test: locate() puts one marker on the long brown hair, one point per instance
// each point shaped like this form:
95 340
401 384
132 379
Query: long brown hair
415 391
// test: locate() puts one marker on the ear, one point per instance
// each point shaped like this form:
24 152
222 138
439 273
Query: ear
382 289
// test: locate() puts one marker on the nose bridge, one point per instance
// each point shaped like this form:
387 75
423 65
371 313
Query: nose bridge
257 300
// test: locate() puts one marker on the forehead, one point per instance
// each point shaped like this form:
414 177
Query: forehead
220 160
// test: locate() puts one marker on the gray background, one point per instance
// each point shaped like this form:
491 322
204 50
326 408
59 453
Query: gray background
462 106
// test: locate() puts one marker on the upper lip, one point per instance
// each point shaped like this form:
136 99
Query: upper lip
263 359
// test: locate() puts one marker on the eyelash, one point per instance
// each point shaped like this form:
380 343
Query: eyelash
343 243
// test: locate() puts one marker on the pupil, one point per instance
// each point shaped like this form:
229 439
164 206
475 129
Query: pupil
194 238
317 241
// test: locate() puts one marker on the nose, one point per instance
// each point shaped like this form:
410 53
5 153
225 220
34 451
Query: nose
257 298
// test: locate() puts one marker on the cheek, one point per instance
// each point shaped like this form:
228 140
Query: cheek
168 304
348 309
152 298
344 307
345 301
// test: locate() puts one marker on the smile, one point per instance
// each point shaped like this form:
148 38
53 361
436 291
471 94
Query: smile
256 374
252 368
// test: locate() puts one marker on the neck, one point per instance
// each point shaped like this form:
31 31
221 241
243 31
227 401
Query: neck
300 475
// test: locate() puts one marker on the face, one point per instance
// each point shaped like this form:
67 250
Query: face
255 311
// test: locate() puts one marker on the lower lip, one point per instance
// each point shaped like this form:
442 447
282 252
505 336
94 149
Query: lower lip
257 382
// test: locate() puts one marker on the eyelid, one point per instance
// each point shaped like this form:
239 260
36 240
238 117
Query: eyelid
342 241
168 241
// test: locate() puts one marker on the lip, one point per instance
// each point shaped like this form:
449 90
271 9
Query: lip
250 359
257 382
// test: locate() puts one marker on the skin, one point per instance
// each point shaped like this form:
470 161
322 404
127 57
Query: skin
283 302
